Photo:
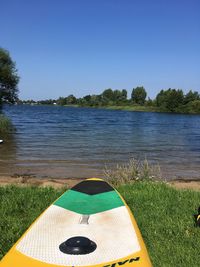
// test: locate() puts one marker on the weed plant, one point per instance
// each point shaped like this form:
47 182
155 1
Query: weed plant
134 170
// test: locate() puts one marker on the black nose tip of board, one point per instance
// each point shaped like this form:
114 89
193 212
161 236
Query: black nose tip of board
78 245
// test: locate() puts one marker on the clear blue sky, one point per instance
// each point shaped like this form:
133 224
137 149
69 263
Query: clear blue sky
85 46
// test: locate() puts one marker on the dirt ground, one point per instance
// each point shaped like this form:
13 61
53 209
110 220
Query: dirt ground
59 183
187 184
23 181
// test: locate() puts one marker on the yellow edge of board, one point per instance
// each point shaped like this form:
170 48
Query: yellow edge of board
141 259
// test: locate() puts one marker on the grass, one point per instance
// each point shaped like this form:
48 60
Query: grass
134 108
5 125
164 215
20 206
165 218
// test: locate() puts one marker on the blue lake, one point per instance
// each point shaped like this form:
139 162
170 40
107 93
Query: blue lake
78 142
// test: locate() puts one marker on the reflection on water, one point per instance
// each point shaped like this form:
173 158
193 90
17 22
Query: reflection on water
78 142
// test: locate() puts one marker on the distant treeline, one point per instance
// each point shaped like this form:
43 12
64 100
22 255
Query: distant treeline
170 100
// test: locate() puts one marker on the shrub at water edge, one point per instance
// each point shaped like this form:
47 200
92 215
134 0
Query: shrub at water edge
6 125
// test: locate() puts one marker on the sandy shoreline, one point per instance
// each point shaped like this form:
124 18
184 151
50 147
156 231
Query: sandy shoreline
69 182
34 181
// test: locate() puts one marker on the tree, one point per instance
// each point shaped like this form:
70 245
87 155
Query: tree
117 96
139 95
160 99
124 94
87 98
108 94
8 78
61 101
170 100
70 100
193 107
175 99
191 96
150 102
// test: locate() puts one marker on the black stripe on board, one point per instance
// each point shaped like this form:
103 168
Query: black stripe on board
92 187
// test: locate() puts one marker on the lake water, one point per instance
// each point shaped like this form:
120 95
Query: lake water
53 141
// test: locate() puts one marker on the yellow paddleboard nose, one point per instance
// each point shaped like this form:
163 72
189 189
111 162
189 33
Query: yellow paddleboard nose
90 225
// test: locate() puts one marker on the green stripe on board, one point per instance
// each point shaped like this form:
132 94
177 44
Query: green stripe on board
87 204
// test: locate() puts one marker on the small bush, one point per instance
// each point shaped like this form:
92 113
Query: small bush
6 126
133 171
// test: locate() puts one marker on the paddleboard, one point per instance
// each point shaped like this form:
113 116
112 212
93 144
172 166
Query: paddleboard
89 225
